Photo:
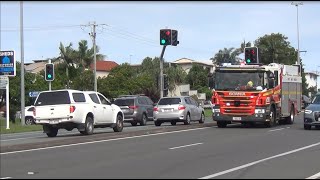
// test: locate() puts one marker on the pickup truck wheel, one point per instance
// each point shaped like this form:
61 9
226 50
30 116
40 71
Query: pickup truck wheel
52 132
119 124
88 126
143 120
202 118
29 120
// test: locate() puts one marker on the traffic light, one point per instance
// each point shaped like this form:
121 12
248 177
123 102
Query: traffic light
174 37
49 72
165 37
251 55
165 82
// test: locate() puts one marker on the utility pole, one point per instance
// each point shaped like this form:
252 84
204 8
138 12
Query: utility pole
93 35
161 71
22 66
298 51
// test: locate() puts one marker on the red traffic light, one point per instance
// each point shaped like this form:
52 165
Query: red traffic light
168 33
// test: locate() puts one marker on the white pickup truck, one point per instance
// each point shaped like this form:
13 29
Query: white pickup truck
69 109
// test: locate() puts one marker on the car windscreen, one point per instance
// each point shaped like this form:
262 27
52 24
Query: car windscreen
168 101
53 98
124 102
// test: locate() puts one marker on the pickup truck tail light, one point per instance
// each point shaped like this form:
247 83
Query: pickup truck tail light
72 109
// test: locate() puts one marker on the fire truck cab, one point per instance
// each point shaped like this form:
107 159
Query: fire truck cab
256 94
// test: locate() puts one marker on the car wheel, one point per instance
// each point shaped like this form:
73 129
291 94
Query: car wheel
88 130
157 123
188 120
134 123
119 124
173 123
143 120
221 124
307 127
29 121
53 131
202 118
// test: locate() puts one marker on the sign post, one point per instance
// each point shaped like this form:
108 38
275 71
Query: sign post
7 69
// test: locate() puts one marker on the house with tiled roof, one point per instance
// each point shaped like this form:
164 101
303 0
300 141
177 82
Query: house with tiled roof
104 68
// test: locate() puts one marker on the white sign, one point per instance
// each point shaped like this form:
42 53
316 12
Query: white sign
3 81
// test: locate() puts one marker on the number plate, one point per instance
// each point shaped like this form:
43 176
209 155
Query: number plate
167 110
236 118
54 122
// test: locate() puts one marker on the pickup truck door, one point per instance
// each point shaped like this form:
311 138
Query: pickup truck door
108 115
97 108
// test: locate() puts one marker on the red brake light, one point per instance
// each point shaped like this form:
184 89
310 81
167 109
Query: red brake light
72 109
155 109
181 107
133 107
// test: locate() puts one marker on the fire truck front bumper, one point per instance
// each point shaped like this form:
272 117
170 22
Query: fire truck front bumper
260 115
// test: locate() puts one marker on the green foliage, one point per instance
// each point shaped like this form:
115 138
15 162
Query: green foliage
206 90
197 77
275 48
226 55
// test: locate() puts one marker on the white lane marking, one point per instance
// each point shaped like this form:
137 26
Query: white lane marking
276 129
106 140
316 176
185 146
256 162
6 178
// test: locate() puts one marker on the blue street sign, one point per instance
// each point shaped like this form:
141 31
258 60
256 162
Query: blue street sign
7 63
33 93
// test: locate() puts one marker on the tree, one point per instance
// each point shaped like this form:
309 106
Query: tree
85 56
197 77
176 76
226 55
275 48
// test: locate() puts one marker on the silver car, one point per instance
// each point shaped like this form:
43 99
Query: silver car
312 113
177 109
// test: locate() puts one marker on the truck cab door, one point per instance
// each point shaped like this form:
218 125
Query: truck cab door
108 112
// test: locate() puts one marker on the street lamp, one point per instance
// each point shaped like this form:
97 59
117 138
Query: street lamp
298 51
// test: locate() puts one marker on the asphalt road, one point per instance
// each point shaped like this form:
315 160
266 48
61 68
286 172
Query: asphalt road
39 136
284 151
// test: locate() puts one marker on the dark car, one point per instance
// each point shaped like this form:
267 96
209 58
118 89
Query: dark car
305 101
312 113
136 108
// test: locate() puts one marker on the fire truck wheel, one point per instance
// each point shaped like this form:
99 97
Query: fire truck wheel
272 118
222 124
290 119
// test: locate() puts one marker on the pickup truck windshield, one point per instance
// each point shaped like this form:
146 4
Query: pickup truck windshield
53 98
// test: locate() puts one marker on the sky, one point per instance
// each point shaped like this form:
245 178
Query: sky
129 31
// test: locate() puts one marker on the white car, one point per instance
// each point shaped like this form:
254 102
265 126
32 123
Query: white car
28 113
69 109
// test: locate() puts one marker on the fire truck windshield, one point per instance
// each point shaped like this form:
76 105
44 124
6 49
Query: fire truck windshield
239 81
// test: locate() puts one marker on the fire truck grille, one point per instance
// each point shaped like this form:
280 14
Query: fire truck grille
237 105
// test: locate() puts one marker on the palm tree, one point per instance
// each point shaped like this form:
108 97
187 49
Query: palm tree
85 56
227 55
68 55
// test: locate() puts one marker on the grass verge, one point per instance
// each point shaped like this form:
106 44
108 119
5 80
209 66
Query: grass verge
17 127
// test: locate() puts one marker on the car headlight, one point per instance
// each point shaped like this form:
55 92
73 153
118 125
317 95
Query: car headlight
308 111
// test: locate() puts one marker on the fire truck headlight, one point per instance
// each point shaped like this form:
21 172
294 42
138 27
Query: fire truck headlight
259 111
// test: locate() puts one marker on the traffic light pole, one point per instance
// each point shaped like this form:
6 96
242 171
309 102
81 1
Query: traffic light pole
161 71
49 81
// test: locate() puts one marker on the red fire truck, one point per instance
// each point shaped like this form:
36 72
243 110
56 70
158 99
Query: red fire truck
256 94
